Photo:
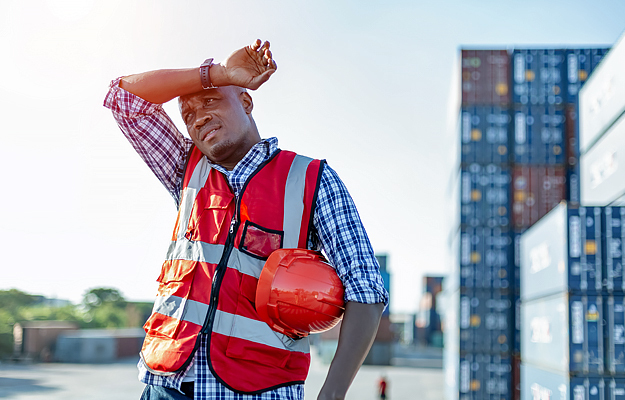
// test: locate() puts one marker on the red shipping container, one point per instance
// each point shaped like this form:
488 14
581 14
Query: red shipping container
485 77
535 191
516 377
572 135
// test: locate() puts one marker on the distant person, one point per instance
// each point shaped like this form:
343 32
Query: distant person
382 387
204 338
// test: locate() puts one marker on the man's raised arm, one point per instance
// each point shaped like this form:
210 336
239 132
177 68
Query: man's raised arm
248 67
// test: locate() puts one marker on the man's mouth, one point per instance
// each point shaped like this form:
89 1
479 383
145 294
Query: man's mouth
209 133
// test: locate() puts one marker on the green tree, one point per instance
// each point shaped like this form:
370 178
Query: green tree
12 305
105 308
11 300
96 297
48 313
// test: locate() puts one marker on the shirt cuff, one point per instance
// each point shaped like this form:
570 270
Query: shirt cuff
126 104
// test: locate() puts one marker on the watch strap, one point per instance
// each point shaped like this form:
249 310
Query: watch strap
205 74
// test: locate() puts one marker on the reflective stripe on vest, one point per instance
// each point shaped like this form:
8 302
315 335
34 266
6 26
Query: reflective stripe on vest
181 309
195 251
197 182
294 201
256 331
211 253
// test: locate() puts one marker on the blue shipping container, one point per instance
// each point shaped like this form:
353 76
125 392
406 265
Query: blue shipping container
564 333
539 384
573 188
484 135
486 322
615 389
539 135
486 260
516 240
484 195
579 65
485 377
517 323
571 129
538 76
562 252
615 334
613 239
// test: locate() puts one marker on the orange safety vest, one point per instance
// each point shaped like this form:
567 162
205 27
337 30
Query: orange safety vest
208 281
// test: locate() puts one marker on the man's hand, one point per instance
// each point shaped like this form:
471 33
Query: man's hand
248 67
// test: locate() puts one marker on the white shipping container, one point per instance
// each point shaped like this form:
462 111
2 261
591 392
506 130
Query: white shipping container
451 350
602 170
602 99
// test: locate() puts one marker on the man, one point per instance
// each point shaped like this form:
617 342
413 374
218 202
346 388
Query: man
382 385
204 338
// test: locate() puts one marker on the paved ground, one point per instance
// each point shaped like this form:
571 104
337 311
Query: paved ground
118 381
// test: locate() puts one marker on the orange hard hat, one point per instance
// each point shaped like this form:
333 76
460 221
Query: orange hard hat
299 293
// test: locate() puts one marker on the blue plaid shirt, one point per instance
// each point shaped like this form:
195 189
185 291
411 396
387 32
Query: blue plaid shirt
339 230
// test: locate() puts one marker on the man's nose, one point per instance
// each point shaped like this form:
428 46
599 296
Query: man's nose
202 119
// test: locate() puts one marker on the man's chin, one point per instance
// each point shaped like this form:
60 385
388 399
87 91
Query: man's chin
218 153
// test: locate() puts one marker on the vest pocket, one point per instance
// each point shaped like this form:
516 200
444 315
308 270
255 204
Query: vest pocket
173 291
259 242
210 216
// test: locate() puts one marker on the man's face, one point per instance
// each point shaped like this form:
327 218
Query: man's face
220 124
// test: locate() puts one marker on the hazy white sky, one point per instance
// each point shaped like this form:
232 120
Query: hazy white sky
367 85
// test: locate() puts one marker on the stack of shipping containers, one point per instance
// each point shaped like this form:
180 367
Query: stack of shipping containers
519 159
479 337
545 136
572 260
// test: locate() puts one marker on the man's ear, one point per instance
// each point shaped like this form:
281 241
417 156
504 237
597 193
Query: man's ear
246 101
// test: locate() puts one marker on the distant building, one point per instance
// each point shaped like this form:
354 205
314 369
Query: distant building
386 276
37 339
428 330
381 351
99 345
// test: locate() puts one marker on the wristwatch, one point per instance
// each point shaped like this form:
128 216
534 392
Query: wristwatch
205 75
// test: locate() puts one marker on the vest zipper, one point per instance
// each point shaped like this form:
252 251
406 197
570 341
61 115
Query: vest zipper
220 272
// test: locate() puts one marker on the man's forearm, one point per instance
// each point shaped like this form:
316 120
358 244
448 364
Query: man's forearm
165 84
358 329
162 85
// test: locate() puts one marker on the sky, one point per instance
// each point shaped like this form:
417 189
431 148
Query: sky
370 86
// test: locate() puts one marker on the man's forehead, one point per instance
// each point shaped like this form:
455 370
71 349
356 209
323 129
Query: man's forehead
187 100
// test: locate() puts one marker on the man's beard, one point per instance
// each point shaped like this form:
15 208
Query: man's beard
221 150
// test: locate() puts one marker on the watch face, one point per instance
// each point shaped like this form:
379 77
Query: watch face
207 62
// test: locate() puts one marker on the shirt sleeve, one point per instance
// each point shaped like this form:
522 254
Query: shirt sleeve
153 135
345 242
